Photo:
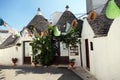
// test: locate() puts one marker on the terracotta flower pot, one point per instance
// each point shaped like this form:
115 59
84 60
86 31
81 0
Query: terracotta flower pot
72 65
14 60
35 63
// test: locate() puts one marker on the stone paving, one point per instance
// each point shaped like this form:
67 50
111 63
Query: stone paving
36 73
85 75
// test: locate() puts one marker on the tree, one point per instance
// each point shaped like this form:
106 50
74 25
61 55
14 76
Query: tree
45 44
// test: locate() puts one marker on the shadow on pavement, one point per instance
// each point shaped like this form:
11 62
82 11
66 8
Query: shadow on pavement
2 76
66 73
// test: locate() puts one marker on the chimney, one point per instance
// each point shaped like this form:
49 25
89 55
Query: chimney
39 12
67 7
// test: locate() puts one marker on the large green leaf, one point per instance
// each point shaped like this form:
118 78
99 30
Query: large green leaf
56 31
112 10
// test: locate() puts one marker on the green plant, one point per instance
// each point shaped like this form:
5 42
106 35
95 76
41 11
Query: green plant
72 60
70 38
72 63
47 50
34 51
46 43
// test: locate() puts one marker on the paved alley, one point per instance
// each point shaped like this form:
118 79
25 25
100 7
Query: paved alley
36 73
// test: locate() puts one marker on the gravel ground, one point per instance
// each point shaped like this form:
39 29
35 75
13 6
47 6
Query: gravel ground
36 73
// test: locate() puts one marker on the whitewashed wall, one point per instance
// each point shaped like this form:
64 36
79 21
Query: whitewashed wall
98 56
99 59
16 51
105 57
87 33
76 57
114 50
106 54
7 54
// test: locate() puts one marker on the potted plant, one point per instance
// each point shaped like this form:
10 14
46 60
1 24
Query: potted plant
72 63
14 60
35 61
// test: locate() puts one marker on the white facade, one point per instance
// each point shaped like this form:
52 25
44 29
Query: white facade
74 53
63 49
114 46
7 54
87 33
105 56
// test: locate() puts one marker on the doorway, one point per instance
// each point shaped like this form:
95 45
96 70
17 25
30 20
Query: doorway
27 51
87 54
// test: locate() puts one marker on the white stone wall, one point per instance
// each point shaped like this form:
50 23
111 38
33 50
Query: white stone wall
114 49
87 33
7 54
16 51
105 56
99 59
64 51
98 56
76 57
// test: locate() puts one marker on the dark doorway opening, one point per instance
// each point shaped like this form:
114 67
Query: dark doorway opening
87 54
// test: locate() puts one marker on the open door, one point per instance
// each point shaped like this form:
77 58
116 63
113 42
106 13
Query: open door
62 56
87 54
27 50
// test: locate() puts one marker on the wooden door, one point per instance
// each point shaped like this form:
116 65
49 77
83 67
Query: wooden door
87 54
26 52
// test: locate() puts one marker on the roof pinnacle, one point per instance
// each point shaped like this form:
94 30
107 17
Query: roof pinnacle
39 12
67 7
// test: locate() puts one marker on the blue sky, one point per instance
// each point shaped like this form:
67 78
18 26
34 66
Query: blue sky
18 13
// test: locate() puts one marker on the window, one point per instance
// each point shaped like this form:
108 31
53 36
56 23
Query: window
74 50
91 45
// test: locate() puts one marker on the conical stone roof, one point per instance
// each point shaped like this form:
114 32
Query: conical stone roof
68 17
101 24
39 22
